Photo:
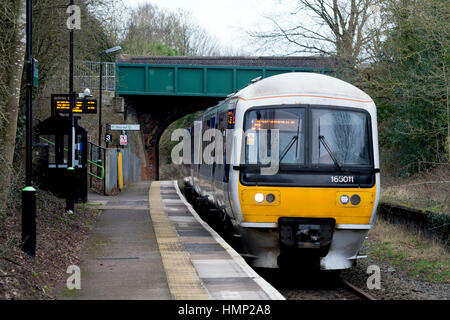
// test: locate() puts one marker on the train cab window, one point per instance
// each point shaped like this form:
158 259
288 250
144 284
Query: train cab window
342 135
289 122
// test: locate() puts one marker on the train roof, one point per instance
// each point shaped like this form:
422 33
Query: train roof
307 83
296 83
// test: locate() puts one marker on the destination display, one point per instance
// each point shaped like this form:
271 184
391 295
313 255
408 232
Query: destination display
281 124
82 106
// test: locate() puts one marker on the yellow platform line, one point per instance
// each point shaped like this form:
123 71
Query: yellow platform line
182 278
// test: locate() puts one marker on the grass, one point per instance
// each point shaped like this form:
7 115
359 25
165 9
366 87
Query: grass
68 293
424 204
417 256
428 190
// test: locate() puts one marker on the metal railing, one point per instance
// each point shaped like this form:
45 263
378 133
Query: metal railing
98 166
87 75
97 155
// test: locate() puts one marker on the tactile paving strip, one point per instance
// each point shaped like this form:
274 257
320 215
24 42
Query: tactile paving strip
183 280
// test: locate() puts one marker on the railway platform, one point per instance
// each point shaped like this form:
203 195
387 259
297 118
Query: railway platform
149 243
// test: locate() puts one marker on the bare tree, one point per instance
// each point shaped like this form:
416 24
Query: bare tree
155 31
149 26
112 15
12 54
338 28
197 40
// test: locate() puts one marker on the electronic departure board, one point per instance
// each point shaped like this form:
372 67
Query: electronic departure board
83 106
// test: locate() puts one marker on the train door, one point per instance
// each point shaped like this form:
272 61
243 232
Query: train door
215 152
228 145
207 167
218 174
197 137
191 165
203 167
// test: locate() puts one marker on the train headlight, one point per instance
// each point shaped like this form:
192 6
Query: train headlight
259 197
355 199
270 198
344 199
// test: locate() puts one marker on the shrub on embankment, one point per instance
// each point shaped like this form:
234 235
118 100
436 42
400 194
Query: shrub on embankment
432 224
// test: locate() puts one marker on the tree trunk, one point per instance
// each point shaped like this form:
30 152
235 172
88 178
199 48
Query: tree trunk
11 111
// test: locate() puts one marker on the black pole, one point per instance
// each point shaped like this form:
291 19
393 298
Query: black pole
100 103
29 98
90 166
104 178
70 198
29 193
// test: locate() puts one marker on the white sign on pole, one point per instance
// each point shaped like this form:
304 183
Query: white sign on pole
128 127
123 140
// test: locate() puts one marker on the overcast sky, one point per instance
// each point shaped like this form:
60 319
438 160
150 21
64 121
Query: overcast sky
226 19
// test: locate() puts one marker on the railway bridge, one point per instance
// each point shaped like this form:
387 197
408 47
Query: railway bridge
162 89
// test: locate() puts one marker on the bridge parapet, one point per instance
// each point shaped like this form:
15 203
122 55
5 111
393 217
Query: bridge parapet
205 76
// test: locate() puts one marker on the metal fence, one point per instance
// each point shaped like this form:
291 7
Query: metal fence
131 168
87 75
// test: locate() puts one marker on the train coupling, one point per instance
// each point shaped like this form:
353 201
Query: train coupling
308 236
314 234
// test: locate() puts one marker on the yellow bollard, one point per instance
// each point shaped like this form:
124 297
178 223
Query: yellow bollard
119 171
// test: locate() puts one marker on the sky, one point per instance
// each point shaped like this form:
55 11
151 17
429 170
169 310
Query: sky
227 19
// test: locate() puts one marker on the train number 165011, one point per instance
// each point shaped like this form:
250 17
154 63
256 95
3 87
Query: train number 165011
342 179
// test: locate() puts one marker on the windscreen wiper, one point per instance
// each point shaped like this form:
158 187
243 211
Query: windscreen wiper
288 147
327 147
291 143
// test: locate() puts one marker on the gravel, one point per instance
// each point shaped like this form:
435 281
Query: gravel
395 284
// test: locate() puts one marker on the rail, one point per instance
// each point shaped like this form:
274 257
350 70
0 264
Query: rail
359 292
99 166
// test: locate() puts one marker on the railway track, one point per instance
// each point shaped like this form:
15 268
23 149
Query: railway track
313 286
364 295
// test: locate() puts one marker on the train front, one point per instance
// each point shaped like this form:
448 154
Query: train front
308 179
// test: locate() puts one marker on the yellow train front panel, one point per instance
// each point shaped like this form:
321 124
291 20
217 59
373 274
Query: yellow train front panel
304 202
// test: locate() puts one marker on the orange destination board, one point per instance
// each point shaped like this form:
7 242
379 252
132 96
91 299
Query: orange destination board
83 106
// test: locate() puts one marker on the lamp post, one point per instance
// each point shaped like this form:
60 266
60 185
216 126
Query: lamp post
29 193
70 198
110 50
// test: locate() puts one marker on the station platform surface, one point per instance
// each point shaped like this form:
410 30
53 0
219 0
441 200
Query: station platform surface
149 243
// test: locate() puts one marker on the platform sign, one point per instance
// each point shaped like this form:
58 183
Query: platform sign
35 73
123 140
127 127
82 106
108 138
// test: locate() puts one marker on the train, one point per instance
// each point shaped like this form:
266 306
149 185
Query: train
289 166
